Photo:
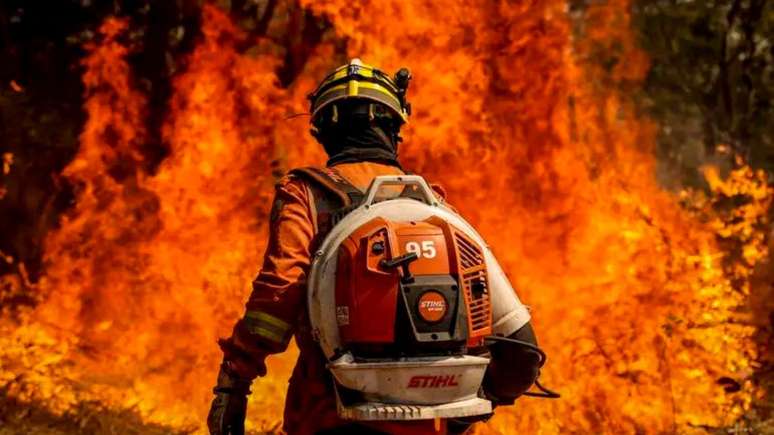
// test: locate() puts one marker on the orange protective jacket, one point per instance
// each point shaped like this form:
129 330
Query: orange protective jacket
276 309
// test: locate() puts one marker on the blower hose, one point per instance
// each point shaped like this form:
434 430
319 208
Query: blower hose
545 392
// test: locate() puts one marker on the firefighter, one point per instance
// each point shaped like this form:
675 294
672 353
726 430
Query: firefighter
357 114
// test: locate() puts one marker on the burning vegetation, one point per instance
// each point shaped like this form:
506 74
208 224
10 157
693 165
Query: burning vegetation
651 304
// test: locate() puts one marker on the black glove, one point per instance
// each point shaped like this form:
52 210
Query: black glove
229 407
512 369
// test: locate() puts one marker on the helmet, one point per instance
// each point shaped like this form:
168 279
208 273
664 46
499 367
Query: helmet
361 81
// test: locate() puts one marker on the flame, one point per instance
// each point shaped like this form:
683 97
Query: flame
633 298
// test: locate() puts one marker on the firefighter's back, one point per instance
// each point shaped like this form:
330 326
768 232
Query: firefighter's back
310 407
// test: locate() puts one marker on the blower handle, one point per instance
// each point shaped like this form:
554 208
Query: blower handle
403 262
428 197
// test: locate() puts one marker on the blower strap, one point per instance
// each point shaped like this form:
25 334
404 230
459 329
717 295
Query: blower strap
334 196
332 182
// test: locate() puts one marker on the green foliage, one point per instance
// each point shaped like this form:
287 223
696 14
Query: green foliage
712 79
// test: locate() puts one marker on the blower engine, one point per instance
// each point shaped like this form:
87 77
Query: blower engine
400 299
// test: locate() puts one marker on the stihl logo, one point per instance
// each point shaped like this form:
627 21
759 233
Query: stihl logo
439 381
432 305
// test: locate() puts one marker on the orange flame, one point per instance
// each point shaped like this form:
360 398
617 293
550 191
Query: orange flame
630 295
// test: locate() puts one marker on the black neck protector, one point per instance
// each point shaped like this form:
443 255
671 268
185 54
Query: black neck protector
359 142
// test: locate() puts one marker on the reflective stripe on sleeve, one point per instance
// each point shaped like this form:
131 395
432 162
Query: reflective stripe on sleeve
267 326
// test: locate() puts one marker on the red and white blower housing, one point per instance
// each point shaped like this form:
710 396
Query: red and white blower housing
401 295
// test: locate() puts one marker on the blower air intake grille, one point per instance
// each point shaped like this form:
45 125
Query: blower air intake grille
472 272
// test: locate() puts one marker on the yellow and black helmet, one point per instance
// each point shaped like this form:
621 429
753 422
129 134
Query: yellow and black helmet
358 80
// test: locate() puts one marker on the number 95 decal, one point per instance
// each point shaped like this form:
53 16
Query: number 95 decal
424 249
